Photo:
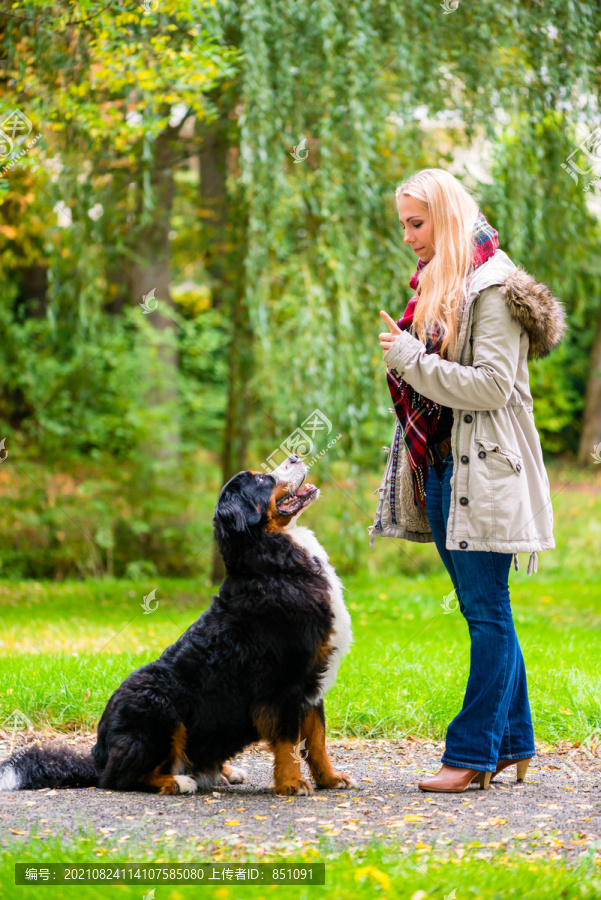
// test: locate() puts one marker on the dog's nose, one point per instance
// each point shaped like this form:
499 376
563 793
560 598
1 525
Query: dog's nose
294 458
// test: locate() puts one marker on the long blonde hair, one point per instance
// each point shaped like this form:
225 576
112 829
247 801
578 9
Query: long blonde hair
442 283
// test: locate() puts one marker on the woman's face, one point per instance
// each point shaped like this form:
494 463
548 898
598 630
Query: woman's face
415 220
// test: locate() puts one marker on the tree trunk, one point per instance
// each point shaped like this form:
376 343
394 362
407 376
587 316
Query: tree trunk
214 207
240 368
591 427
224 242
149 271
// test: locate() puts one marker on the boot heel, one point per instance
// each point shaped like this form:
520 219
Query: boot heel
484 779
522 767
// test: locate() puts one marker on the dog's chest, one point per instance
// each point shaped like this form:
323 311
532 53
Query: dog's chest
341 636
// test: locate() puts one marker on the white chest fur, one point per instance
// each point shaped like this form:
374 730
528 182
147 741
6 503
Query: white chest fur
342 636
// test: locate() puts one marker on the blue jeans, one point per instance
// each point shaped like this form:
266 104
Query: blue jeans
495 720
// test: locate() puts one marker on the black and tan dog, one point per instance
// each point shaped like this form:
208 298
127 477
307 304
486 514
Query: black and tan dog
255 666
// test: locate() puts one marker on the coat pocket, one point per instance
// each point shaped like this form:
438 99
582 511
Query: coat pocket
505 456
494 432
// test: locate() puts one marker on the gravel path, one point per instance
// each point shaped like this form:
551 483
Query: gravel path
559 806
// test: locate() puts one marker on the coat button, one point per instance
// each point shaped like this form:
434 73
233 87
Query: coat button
464 501
467 418
465 459
518 467
481 454
463 544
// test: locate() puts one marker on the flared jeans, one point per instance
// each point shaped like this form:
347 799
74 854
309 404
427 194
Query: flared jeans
495 720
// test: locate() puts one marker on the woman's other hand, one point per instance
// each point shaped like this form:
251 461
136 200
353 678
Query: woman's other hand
386 338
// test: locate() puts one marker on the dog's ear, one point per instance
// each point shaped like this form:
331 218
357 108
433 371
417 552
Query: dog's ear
235 514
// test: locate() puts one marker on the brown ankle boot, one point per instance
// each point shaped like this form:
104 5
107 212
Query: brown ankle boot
453 780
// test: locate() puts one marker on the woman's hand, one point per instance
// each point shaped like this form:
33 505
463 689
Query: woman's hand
386 339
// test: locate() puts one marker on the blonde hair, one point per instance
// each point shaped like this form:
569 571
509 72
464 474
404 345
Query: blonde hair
442 283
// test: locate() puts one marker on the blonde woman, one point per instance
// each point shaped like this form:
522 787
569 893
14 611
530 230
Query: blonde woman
465 468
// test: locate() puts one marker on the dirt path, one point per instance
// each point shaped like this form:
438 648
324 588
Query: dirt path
559 805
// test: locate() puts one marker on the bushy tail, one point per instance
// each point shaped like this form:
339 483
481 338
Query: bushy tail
37 767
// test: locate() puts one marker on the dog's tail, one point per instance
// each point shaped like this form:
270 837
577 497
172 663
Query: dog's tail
36 767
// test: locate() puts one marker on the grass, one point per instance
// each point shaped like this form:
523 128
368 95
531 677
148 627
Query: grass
66 647
391 870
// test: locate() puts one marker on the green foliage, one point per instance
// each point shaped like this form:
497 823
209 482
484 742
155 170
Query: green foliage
109 204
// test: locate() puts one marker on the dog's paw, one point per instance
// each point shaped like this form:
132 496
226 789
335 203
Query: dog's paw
298 787
185 784
338 780
234 774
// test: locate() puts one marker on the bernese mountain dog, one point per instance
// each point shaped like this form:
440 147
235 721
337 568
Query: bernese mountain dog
254 666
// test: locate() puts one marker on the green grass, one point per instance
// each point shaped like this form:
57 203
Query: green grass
66 647
392 870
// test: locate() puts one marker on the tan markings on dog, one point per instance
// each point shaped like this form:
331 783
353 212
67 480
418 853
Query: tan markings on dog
314 735
276 521
265 721
161 776
323 654
287 770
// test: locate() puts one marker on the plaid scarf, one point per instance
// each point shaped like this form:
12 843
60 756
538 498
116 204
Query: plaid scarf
417 415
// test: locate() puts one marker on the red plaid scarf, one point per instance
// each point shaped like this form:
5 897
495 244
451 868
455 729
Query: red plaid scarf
418 415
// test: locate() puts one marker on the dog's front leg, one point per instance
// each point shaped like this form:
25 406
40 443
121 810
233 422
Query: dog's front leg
313 732
278 729
287 768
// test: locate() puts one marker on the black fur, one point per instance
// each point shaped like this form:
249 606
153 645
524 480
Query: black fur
252 652
61 767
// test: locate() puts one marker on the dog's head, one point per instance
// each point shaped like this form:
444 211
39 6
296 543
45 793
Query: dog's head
252 503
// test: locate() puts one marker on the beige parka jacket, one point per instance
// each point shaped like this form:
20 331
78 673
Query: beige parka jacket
500 495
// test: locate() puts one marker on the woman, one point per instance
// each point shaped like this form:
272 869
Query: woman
468 473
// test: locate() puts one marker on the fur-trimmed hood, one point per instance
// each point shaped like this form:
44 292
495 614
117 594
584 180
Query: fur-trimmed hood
536 308
530 302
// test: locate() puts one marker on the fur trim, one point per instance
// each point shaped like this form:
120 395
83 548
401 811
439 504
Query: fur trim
536 308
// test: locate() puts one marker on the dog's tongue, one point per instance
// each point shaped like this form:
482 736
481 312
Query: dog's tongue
291 503
304 489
